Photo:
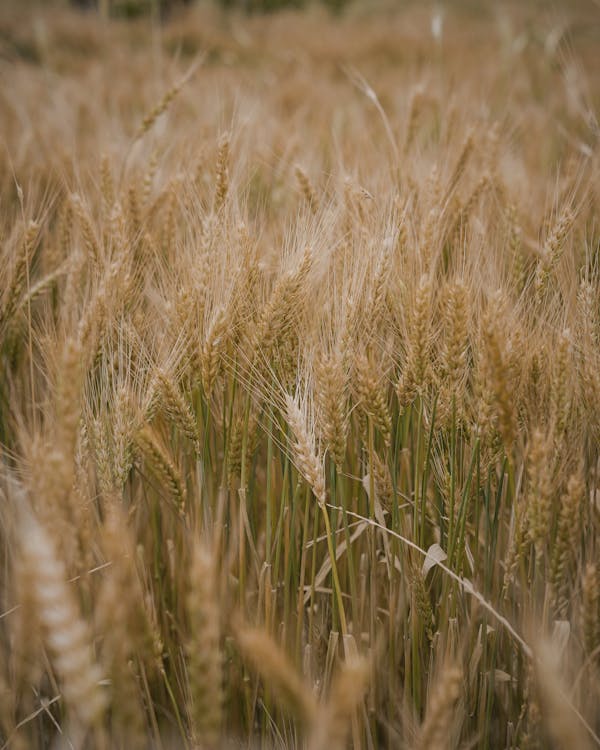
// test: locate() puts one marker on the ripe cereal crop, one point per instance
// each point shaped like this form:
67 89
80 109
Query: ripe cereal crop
300 376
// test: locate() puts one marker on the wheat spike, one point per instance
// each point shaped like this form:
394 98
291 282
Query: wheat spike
439 717
309 464
64 631
204 651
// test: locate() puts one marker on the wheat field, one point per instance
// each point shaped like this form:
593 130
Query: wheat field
300 378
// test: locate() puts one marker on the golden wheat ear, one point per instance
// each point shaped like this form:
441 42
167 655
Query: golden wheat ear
332 401
278 673
310 464
335 718
65 633
436 731
204 657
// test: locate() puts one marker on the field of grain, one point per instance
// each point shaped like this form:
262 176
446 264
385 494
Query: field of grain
300 378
